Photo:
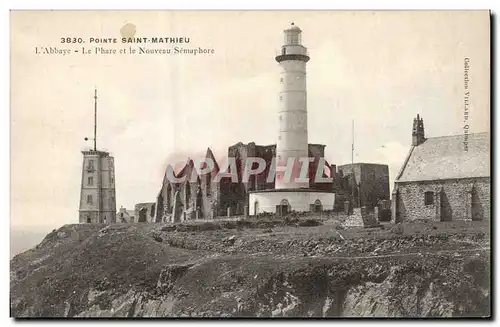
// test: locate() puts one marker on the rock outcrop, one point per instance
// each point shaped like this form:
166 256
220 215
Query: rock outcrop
125 271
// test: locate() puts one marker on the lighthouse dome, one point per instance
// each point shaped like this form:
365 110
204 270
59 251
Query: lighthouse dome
294 28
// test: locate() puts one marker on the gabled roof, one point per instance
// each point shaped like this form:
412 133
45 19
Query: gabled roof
129 213
446 157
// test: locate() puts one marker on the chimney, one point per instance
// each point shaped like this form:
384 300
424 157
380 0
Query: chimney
418 133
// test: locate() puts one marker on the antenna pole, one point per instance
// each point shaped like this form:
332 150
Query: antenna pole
95 119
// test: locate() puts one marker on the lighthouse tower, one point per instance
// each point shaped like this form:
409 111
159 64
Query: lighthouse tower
292 139
294 193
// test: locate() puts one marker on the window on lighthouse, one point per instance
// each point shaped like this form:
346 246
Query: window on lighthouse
292 38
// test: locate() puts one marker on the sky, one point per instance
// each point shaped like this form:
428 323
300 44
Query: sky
379 69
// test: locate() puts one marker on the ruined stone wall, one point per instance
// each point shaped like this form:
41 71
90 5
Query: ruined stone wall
235 196
374 184
371 183
148 212
260 181
213 198
209 206
457 199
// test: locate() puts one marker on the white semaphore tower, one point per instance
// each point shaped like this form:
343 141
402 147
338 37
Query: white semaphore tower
292 140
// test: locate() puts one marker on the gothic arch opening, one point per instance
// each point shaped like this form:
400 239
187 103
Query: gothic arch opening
142 215
169 198
187 195
284 208
318 206
199 200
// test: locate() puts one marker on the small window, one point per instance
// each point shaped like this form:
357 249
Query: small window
280 117
429 198
90 166
121 214
281 97
90 181
281 80
89 199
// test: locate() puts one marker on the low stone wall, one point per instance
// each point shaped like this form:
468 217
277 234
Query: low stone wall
362 217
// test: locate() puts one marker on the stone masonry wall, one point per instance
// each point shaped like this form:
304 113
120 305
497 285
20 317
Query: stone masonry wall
458 199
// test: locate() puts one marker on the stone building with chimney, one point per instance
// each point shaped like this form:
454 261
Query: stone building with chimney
443 178
125 216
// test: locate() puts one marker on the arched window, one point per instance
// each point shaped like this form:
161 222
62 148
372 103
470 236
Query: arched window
169 197
318 206
285 207
284 202
187 193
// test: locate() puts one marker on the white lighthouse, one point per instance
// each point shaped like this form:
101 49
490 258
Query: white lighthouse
291 193
292 138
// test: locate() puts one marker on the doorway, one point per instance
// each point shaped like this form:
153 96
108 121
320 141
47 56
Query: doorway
284 207
318 206
256 208
476 207
142 215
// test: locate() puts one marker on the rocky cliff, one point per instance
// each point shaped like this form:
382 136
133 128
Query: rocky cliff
126 270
